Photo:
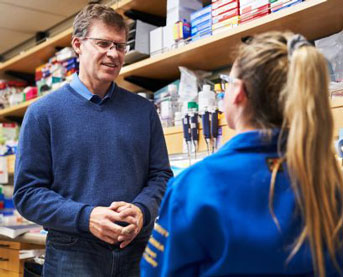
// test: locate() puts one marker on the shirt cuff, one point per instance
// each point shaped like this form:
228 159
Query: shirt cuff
145 212
83 223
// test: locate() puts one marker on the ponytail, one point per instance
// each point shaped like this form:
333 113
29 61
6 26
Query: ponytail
316 178
287 80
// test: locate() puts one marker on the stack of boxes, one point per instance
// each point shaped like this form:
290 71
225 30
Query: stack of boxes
253 9
225 14
277 5
201 22
50 75
179 10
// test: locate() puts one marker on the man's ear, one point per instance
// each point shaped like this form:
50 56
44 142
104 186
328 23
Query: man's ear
239 93
76 44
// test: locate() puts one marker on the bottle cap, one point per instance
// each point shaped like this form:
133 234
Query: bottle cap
206 87
192 105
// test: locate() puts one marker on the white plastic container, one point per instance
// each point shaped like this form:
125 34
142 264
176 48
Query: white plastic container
206 99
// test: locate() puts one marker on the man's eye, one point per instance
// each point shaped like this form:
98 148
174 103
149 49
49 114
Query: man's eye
103 44
121 46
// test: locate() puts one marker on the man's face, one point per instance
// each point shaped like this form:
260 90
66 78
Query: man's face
98 64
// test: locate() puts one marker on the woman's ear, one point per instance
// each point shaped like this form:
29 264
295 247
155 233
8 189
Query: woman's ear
238 91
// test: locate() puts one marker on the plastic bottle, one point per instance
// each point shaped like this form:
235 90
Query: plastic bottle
206 99
219 97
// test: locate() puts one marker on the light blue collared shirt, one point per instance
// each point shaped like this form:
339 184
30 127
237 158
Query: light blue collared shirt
80 88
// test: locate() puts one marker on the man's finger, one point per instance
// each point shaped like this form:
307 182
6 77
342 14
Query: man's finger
124 207
128 212
129 219
129 229
112 228
125 243
117 204
108 239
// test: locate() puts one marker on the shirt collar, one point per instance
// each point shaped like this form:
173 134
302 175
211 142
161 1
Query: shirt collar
255 139
80 88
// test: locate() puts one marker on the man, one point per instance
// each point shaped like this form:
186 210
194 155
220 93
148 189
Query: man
92 163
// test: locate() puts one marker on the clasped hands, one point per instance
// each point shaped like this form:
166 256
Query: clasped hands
103 223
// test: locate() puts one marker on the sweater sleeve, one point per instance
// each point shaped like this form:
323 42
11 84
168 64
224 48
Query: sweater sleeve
159 172
33 195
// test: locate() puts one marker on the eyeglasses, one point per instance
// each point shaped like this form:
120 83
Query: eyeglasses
105 45
226 79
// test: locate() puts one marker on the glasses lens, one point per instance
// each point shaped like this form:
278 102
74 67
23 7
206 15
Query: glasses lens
104 44
121 47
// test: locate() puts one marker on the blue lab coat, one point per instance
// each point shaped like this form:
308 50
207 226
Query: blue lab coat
215 220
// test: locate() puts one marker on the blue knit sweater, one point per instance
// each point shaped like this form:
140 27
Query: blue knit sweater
74 155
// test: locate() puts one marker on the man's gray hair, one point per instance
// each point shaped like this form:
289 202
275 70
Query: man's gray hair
103 13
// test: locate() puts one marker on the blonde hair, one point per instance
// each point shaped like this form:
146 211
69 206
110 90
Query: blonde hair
291 92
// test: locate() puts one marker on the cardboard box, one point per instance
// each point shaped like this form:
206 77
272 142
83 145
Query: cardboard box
279 5
228 23
261 10
178 14
201 35
201 19
221 3
253 6
232 5
156 41
201 26
225 16
168 37
201 12
243 3
253 17
188 4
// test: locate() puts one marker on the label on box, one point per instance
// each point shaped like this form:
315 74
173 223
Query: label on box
249 18
202 35
223 9
201 19
281 3
231 21
286 5
220 3
201 26
201 12
246 2
224 28
253 6
225 16
203 31
264 9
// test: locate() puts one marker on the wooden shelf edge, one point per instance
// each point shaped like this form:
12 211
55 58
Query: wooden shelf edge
35 49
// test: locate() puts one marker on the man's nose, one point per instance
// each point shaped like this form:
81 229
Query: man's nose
112 52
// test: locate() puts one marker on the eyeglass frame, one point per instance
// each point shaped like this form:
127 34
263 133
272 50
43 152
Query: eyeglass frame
113 44
231 80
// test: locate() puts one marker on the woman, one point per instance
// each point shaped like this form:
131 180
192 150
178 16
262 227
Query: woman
269 202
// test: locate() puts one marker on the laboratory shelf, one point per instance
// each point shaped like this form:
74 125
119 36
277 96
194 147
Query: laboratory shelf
29 60
312 18
174 135
15 111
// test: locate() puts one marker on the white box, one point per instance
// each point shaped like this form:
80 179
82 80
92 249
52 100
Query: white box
156 41
178 14
168 37
189 4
